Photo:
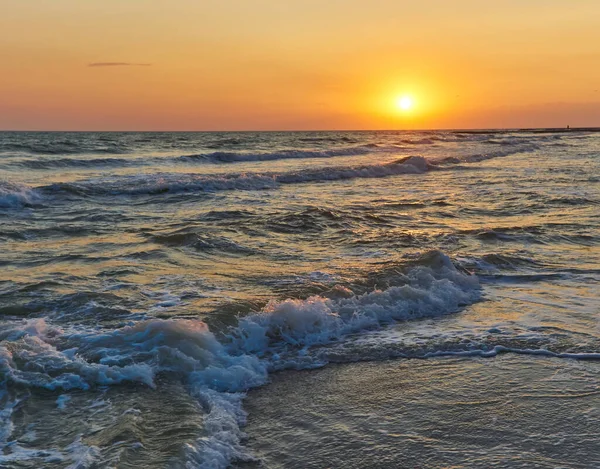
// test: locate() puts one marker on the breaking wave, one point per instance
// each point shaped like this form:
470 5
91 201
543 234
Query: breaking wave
219 368
14 195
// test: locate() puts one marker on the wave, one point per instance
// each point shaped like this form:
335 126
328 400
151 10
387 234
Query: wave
200 241
241 157
525 148
60 147
177 183
331 139
75 163
219 366
311 220
388 344
430 290
433 138
449 137
214 157
233 157
224 142
498 349
173 183
420 141
218 369
15 195
493 261
506 141
534 234
571 200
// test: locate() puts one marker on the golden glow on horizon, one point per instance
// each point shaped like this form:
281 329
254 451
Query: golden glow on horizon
305 64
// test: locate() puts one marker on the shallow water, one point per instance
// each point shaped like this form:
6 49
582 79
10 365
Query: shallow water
513 411
149 280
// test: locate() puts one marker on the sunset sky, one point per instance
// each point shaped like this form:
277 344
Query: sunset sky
298 64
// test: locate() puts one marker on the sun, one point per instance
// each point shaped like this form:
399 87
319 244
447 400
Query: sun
404 103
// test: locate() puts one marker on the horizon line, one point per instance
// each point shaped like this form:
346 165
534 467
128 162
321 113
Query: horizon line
459 129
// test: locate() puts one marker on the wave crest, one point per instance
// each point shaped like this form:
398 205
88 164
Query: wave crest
176 182
240 157
15 195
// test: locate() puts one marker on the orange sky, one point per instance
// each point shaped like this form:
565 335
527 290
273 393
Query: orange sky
298 64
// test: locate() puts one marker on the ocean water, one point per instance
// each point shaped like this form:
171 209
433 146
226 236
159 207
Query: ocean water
300 299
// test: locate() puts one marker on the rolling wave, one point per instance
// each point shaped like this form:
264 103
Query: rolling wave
58 163
219 157
173 183
176 183
14 195
241 157
475 158
232 157
58 147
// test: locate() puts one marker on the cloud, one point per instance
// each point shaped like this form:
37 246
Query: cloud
117 64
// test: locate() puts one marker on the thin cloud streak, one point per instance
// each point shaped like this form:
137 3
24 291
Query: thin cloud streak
117 64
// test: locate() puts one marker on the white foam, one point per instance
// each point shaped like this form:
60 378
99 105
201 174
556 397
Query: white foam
222 443
6 425
78 454
61 401
301 323
17 453
218 373
318 320
34 342
81 454
15 195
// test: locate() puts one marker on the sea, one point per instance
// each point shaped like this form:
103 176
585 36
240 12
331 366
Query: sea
377 299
